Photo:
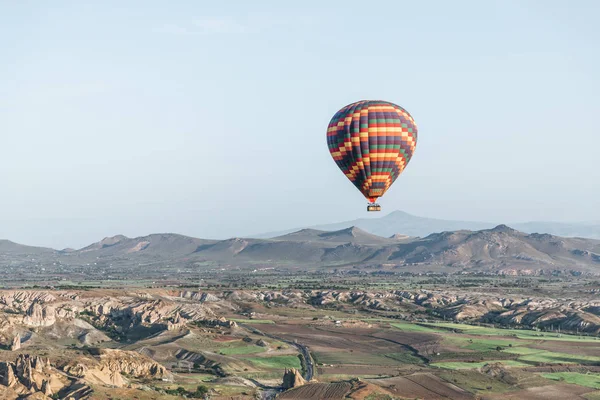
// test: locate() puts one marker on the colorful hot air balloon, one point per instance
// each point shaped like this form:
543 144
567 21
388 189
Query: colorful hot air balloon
372 142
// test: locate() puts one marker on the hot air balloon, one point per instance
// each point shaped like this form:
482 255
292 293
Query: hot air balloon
372 141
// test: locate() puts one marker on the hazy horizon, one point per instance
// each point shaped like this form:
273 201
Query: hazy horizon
209 120
282 230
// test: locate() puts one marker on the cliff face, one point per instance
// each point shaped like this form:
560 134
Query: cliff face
110 366
133 364
31 375
40 315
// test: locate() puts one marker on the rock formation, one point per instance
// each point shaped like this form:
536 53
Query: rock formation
38 315
177 323
29 375
7 374
16 343
221 322
109 366
292 378
46 389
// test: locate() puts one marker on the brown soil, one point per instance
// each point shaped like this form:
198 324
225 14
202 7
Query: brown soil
579 348
358 339
423 386
354 389
319 391
550 392
225 338
359 370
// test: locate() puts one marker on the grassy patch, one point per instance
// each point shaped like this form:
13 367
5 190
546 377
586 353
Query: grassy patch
587 380
229 351
276 362
524 351
408 327
405 358
533 335
253 321
489 344
592 395
379 396
473 365
518 333
551 357
475 382
474 356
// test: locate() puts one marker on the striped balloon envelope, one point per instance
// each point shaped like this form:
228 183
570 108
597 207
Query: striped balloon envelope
372 141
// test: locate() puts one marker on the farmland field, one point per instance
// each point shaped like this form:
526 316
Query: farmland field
589 380
365 345
276 362
468 365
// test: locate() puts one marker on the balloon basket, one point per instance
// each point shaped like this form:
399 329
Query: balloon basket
373 207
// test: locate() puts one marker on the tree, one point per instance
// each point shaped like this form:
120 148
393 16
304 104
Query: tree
201 391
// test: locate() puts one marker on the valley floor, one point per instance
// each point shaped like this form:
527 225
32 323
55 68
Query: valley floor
432 342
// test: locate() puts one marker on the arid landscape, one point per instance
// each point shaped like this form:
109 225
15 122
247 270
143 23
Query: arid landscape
235 200
490 314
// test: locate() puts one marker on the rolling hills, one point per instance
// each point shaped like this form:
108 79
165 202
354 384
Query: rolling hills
497 250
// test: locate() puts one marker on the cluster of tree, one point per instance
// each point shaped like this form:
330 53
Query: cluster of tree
200 392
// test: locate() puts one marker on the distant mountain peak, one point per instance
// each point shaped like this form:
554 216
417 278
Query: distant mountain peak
541 236
113 239
302 234
398 213
504 229
307 231
351 231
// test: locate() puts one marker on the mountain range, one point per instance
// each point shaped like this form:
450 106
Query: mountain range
497 250
411 225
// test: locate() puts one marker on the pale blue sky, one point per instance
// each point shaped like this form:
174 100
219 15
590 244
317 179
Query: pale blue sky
208 118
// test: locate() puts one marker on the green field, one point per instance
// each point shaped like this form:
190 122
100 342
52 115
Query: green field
276 362
588 380
252 349
551 357
524 351
405 358
408 327
518 333
473 365
520 349
474 382
482 345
